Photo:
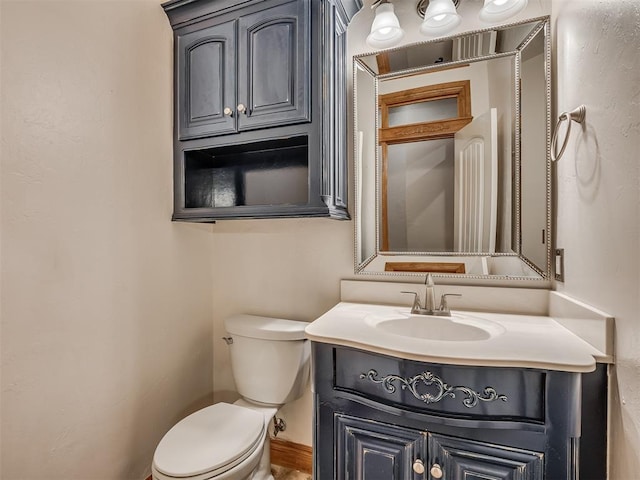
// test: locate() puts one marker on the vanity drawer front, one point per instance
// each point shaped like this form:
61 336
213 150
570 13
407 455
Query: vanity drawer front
459 391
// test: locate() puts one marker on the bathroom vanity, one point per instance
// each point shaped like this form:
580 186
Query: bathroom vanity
526 400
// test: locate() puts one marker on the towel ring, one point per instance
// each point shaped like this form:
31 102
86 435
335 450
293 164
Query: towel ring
577 115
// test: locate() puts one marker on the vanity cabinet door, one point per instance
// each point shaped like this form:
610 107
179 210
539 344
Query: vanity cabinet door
370 450
206 81
274 69
457 459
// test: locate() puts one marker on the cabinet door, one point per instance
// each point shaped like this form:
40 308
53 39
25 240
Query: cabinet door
274 66
206 81
459 459
369 450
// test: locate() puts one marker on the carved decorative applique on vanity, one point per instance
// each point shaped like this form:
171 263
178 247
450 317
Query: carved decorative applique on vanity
488 394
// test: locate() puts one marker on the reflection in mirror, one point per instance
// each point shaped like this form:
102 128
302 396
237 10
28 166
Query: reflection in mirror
533 148
451 142
417 213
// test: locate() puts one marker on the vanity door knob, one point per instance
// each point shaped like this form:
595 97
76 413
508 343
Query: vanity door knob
436 471
418 466
241 108
228 112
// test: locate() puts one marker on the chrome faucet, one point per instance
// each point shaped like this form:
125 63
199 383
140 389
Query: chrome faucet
430 300
429 293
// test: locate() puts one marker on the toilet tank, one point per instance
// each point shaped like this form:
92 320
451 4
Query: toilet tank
270 358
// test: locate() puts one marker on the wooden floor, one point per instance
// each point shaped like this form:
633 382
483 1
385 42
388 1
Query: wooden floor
282 473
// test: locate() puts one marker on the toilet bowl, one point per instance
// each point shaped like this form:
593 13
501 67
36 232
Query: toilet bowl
223 441
231 441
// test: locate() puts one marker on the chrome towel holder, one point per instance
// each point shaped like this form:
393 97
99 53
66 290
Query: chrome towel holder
576 115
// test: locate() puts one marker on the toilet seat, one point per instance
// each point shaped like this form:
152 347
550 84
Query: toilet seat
210 442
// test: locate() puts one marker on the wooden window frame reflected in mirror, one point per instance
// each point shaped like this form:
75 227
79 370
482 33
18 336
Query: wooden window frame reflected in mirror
425 267
417 132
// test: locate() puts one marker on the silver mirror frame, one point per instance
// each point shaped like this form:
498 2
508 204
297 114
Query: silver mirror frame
545 274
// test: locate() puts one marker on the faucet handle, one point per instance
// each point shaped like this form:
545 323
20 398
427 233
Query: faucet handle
416 302
444 306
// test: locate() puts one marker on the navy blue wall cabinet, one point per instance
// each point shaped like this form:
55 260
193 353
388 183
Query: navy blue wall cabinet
260 108
384 418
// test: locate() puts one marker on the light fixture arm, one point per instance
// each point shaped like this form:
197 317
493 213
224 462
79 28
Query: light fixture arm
378 2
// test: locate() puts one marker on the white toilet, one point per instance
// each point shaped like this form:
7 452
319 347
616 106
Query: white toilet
270 361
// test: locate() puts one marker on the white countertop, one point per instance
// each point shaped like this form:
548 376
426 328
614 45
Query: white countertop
526 341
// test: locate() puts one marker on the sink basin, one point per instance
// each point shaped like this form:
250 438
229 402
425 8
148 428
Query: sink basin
466 338
457 328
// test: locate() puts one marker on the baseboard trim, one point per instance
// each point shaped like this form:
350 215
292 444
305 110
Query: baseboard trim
291 455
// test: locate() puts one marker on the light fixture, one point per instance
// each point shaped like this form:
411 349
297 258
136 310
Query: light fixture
498 10
440 16
385 29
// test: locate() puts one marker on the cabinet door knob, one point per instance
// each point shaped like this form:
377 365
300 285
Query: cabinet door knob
241 108
436 471
418 466
228 112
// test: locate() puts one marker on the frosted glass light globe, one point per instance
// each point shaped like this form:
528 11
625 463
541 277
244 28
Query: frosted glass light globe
439 18
498 10
385 29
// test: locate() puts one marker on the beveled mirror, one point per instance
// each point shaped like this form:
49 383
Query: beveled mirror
452 160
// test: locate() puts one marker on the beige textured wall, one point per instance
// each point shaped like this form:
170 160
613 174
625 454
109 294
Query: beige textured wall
288 268
597 64
106 304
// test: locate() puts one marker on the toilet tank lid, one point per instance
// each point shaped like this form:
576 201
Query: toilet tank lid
266 328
